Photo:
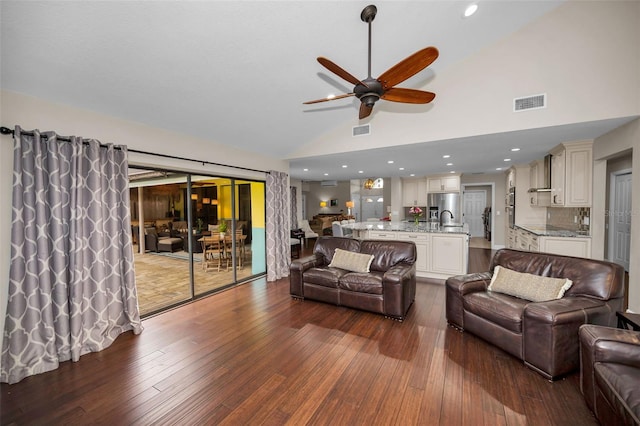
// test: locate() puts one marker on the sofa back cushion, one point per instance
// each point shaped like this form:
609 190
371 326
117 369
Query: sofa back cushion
388 253
593 278
326 247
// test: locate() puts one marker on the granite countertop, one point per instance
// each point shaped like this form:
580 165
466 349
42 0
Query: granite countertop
553 231
408 227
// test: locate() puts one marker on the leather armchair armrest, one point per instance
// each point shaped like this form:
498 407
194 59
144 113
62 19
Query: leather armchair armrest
611 344
469 283
550 332
399 289
604 344
456 288
296 273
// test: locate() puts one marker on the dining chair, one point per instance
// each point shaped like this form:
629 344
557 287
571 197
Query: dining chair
213 252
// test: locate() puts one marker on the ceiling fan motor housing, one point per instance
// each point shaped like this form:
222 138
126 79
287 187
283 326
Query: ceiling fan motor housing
370 93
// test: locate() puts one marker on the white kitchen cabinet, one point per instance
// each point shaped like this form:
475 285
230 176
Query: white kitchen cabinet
511 178
414 192
449 183
512 238
571 174
449 254
382 235
423 242
568 246
523 239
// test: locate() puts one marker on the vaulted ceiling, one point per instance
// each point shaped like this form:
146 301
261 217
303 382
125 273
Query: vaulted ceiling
237 72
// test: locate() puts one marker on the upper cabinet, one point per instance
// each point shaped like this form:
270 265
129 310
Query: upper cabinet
449 183
571 174
414 192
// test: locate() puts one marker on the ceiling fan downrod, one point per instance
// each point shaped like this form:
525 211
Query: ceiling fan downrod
368 15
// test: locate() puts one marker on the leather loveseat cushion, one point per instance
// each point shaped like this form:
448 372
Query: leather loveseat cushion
501 309
326 277
362 282
387 254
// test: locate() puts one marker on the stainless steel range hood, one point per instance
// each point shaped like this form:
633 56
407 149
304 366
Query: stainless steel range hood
546 187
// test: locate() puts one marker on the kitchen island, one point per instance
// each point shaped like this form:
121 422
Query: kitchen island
442 251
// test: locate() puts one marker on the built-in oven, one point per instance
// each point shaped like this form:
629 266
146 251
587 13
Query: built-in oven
511 197
510 209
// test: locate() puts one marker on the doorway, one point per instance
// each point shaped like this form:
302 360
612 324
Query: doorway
475 201
620 218
478 199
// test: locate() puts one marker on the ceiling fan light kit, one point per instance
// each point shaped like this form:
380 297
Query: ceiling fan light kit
370 90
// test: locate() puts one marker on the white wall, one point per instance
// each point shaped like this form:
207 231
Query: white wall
32 113
608 146
318 193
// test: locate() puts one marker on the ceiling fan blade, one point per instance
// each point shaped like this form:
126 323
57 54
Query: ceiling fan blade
408 67
338 71
346 95
408 96
365 111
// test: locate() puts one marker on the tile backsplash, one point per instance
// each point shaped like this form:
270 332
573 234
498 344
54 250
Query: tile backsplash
573 219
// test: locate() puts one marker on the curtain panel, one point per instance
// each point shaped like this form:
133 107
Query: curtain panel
71 279
278 226
294 207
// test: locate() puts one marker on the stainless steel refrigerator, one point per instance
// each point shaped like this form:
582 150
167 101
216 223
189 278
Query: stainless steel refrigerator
451 202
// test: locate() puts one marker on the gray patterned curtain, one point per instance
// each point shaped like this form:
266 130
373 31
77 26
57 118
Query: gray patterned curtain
71 280
278 226
294 208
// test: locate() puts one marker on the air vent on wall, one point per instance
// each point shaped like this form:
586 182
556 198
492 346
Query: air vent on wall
329 183
530 102
363 130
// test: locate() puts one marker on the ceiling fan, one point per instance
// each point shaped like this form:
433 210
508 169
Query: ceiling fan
371 89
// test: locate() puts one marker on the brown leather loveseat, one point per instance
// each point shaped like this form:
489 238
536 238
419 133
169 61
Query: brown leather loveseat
610 373
543 334
389 287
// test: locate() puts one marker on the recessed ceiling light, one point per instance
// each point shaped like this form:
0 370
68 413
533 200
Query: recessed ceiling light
498 168
305 170
515 149
326 174
360 171
412 174
470 10
344 166
446 156
449 164
452 171
390 161
401 168
507 159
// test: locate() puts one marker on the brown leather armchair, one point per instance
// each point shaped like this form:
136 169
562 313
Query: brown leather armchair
542 334
610 373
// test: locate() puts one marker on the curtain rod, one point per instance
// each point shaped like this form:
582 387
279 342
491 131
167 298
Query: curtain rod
203 162
7 131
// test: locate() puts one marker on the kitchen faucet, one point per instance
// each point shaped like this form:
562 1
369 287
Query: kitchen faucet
442 213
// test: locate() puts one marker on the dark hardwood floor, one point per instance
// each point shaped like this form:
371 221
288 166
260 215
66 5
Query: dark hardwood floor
253 355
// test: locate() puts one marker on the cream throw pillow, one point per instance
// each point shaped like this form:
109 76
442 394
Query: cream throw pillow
528 286
351 261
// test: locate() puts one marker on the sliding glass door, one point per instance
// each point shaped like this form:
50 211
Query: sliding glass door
194 235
